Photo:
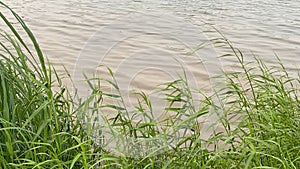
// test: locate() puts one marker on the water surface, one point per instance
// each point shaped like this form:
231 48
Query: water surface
147 42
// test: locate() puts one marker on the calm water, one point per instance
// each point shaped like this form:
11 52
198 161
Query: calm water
146 42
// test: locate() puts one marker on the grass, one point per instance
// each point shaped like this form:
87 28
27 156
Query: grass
43 126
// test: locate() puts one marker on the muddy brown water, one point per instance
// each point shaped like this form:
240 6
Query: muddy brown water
149 42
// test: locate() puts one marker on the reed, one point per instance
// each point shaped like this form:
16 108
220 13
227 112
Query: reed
47 127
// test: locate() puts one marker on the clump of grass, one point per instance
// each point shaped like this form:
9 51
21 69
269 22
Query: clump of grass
38 125
46 128
260 121
266 101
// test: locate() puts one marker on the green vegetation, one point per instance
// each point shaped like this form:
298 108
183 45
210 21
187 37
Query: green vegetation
41 125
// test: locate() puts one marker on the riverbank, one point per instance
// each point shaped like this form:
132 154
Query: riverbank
46 128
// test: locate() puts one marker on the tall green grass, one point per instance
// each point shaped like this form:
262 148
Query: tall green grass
39 128
47 127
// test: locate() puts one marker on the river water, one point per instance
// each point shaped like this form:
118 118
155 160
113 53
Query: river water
148 42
